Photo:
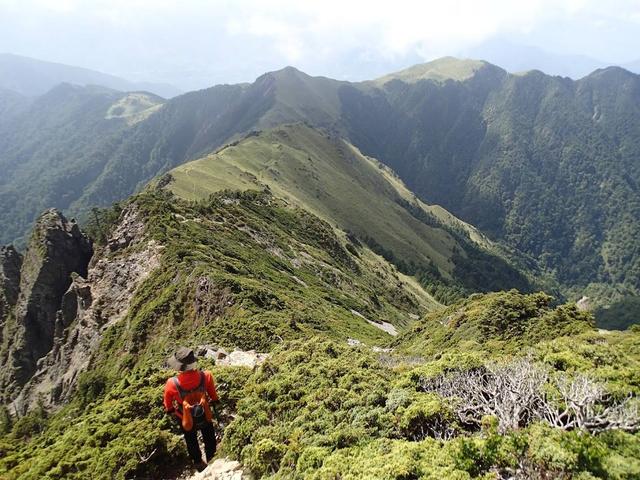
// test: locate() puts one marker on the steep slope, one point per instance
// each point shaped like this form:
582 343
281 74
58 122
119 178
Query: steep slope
239 270
299 96
329 177
31 77
10 264
545 163
255 269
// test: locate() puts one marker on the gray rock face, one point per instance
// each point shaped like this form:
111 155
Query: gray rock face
10 263
88 307
57 249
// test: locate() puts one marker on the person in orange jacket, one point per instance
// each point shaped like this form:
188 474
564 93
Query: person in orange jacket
190 396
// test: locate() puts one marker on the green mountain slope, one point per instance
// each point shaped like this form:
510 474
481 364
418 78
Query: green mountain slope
239 270
329 177
318 407
496 322
545 164
119 156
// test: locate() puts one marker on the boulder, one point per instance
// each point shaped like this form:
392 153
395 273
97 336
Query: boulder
222 469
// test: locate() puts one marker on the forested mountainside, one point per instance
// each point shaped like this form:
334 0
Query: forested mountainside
55 146
546 164
350 383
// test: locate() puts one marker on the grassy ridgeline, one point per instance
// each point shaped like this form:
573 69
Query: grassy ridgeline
324 174
274 273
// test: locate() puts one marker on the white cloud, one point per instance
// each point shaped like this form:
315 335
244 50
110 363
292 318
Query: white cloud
394 28
324 36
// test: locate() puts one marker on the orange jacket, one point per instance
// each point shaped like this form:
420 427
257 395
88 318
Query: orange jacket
188 380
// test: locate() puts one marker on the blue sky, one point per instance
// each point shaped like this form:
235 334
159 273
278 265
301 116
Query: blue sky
197 43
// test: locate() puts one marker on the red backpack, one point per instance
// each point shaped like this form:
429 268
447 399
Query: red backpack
195 405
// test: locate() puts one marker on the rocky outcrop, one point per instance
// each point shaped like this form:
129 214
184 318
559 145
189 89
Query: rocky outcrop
237 358
584 304
10 263
89 306
222 469
57 249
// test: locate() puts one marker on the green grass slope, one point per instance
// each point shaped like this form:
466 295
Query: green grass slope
440 70
495 322
328 176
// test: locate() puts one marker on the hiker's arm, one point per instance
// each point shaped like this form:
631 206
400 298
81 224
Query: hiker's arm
213 395
211 387
215 407
168 400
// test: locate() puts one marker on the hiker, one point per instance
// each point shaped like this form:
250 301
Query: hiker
188 396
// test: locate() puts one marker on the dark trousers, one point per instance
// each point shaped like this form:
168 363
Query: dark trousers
209 438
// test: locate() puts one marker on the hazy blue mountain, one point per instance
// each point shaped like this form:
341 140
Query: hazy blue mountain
11 103
32 77
521 58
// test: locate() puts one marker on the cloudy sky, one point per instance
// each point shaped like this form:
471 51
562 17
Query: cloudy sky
197 43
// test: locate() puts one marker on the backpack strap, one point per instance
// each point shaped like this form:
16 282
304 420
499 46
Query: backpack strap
181 392
202 380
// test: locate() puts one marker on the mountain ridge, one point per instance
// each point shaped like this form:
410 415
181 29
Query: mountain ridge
252 252
329 177
473 146
33 77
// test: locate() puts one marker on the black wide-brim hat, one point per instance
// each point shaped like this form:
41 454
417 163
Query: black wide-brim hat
182 359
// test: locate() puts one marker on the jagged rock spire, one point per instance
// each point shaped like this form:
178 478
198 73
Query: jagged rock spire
57 248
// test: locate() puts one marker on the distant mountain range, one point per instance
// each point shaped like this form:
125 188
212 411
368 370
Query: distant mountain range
546 165
31 77
521 58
